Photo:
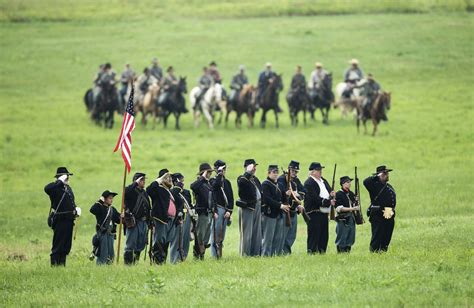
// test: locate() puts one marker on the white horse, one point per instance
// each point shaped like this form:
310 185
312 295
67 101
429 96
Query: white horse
348 104
208 103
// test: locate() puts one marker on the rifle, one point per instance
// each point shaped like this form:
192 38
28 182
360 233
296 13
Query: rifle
295 198
287 214
359 219
332 214
180 242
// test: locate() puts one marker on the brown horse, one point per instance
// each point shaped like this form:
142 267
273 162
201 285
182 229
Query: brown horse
245 104
147 104
377 112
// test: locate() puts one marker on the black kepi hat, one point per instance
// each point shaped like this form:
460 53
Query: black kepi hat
294 165
138 175
272 168
249 161
382 168
108 193
219 163
61 171
163 172
204 167
315 166
344 179
176 176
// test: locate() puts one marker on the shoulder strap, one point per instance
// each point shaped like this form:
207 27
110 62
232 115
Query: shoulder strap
59 204
378 195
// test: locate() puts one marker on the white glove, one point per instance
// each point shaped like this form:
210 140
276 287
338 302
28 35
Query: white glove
220 168
78 211
249 168
63 178
138 180
102 199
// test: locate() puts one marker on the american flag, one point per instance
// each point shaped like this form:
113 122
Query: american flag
124 141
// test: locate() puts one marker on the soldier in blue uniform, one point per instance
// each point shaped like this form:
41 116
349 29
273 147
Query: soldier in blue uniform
62 215
137 218
107 218
381 212
274 206
223 198
345 207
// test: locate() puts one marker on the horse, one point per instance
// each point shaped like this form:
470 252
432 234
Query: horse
269 100
348 104
175 103
322 98
207 104
89 99
244 104
105 105
298 100
147 103
377 112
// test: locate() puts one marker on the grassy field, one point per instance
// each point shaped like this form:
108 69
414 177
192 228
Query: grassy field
425 60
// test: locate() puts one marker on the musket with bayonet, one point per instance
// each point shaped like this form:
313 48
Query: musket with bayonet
295 198
359 219
332 214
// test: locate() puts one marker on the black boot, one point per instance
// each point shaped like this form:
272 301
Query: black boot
54 260
136 257
339 249
128 257
62 260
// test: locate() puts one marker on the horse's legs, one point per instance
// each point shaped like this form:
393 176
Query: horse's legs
276 118
177 115
227 117
263 119
364 121
374 122
304 116
209 118
196 115
326 115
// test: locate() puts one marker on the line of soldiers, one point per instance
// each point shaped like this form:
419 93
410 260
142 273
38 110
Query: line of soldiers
164 217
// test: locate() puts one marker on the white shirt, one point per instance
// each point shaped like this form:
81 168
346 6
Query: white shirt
323 193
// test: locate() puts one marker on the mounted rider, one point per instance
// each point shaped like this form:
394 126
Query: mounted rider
169 84
145 81
351 77
126 77
264 80
370 90
155 69
103 80
298 82
237 83
318 76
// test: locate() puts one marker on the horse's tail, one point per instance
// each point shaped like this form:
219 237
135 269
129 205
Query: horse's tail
88 99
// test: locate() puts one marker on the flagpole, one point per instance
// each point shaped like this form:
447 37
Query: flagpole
121 213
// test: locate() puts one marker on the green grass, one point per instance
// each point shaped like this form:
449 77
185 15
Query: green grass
68 10
424 60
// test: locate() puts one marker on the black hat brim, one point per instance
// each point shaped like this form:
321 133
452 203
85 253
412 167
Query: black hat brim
59 174
386 170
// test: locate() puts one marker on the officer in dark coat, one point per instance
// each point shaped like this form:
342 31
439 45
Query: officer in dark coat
264 80
317 204
224 205
238 82
346 205
107 218
180 244
382 208
205 207
250 203
166 213
273 205
63 213
137 209
289 235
